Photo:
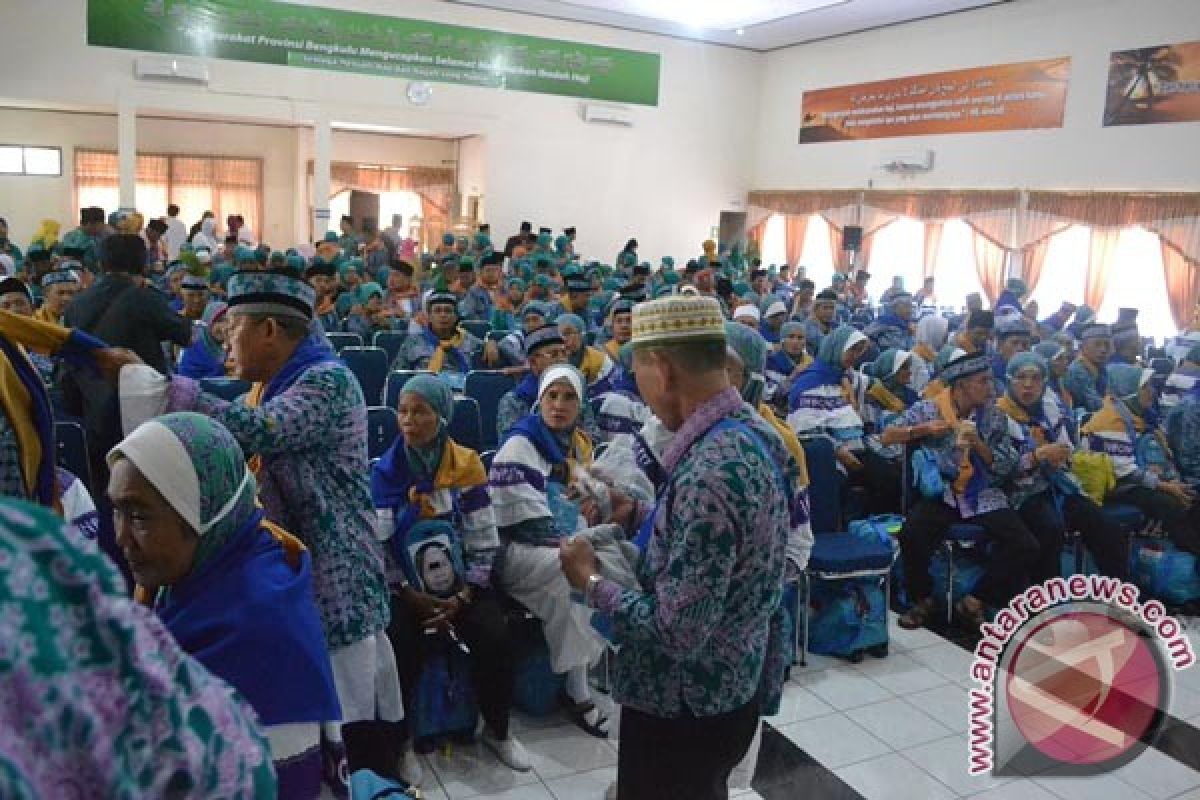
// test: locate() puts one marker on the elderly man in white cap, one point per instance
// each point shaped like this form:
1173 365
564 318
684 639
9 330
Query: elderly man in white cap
697 647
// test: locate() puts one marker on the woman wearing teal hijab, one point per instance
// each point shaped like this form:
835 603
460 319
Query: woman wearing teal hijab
235 591
100 701
368 314
205 357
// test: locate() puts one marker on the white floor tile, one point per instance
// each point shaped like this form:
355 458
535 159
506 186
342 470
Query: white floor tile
892 777
898 723
1023 789
946 760
947 704
845 687
470 771
948 660
900 673
799 704
1159 775
834 740
584 785
1091 788
1192 795
1185 702
565 751
911 640
534 791
815 663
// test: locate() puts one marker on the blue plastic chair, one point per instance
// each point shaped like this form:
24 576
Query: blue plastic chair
486 388
225 388
382 430
477 327
341 341
395 382
390 341
841 556
825 485
465 425
488 456
370 366
71 453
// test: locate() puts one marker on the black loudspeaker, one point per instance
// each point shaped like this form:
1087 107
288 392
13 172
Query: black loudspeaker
852 238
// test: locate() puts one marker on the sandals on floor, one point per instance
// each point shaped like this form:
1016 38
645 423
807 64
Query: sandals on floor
576 712
973 620
917 616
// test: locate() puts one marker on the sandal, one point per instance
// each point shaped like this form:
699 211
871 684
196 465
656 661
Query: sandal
577 713
917 616
973 619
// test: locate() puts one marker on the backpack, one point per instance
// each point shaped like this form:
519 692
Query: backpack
430 554
444 707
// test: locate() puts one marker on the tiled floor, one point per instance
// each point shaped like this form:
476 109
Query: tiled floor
885 729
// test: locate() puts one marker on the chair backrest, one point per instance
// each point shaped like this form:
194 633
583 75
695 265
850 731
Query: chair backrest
825 485
486 388
390 341
225 388
479 328
466 427
487 457
343 340
395 382
381 430
71 451
369 365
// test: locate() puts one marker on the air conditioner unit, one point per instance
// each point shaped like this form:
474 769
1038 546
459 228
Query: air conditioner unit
174 70
908 161
607 115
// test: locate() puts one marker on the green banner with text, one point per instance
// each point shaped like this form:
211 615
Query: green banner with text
271 32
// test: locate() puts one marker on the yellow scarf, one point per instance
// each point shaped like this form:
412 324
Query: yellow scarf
925 352
1014 410
439 354
43 337
613 349
789 440
884 397
43 315
964 343
591 364
803 363
945 407
932 388
1108 420
253 399
460 468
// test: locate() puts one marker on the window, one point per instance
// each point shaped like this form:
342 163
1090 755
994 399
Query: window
815 255
1137 281
1064 272
954 271
22 160
195 183
898 252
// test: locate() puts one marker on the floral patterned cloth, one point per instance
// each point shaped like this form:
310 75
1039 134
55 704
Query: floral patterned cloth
96 698
696 637
314 483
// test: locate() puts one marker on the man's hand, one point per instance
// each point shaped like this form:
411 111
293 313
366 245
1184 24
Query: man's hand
1053 454
934 427
110 360
491 353
578 561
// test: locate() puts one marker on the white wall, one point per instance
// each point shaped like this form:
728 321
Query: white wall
1081 155
472 173
665 180
25 201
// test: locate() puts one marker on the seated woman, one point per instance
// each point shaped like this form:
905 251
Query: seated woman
425 475
1044 492
888 397
620 410
1142 461
825 398
504 315
234 590
598 369
99 675
932 331
205 356
528 477
368 314
967 438
1057 360
441 347
785 363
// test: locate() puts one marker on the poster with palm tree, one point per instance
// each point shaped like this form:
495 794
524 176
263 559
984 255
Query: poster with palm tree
1154 84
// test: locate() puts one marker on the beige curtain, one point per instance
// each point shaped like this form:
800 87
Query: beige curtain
795 229
1102 254
1183 285
933 243
1034 258
989 265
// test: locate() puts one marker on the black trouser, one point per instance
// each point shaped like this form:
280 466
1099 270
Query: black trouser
1013 549
1101 537
682 758
883 479
1178 520
374 745
484 629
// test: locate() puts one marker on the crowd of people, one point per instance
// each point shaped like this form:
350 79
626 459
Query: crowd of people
648 497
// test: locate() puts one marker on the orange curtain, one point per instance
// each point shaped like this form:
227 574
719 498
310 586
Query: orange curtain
1102 253
795 228
933 243
1183 285
989 265
1033 259
841 258
754 237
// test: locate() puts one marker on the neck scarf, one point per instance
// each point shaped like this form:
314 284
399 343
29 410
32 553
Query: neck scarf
789 440
527 389
405 477
590 362
550 445
827 369
1032 418
972 472
444 347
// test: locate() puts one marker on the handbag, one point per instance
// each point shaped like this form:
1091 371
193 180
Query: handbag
927 478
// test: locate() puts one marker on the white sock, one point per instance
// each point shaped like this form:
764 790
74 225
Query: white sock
577 685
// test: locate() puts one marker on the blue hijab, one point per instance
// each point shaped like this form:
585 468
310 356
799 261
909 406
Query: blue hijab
826 369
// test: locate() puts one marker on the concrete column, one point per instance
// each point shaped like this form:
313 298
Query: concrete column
322 146
126 152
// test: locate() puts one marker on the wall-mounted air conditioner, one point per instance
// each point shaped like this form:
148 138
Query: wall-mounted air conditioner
607 115
173 70
908 161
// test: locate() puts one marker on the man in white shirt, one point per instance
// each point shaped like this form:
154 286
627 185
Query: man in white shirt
176 233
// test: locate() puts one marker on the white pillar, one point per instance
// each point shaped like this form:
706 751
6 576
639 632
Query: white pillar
322 145
126 152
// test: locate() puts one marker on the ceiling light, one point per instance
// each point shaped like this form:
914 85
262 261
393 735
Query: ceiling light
707 14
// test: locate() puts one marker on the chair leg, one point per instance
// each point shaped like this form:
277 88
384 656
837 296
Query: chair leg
949 583
1077 536
804 610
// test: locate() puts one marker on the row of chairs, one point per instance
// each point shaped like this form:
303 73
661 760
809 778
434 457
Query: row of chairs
391 341
465 427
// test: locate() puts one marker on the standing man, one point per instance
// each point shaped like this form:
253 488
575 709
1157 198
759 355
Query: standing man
176 233
695 635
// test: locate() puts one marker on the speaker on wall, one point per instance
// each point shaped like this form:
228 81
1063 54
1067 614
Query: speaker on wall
852 238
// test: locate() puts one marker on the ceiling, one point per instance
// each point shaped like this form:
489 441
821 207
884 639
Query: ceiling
759 25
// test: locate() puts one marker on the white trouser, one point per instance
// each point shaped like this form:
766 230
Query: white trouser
368 685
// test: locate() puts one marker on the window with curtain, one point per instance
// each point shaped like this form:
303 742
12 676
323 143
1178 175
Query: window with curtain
1064 271
898 251
954 275
815 257
195 183
1137 281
